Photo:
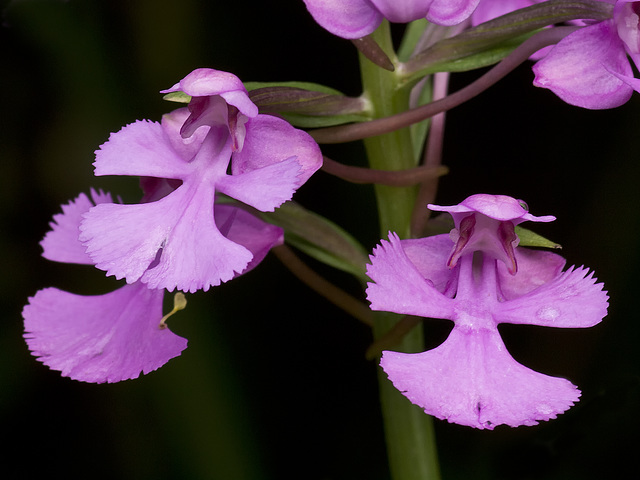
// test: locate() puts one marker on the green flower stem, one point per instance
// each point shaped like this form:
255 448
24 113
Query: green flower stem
411 445
393 150
409 431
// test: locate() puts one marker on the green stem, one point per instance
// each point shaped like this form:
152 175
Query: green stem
391 151
409 431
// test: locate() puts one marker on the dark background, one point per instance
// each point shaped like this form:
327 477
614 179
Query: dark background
274 384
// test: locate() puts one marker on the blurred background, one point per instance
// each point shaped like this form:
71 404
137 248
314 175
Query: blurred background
274 384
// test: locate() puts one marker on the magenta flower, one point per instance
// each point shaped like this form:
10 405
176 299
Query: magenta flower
589 68
102 338
471 379
357 18
116 336
219 145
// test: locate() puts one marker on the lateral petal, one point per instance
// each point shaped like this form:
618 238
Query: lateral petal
572 300
399 287
140 149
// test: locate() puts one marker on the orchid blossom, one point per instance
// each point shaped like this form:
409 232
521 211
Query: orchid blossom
118 335
478 277
219 144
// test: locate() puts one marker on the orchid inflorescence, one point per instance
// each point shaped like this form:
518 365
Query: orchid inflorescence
219 173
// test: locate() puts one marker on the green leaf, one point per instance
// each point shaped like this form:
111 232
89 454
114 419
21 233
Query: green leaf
320 238
532 239
179 97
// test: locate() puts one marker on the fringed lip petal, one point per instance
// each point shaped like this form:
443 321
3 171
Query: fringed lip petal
472 380
103 338
61 243
498 207
194 253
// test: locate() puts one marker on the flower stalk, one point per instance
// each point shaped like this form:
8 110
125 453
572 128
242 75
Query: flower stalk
409 432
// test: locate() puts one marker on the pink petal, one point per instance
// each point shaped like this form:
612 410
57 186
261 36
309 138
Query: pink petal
265 188
103 338
140 149
571 300
399 287
205 82
451 12
498 207
579 68
124 240
172 124
270 140
345 18
61 243
402 11
535 268
429 256
472 380
249 231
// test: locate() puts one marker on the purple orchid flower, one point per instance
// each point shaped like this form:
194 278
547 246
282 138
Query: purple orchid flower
118 335
589 68
482 281
357 18
268 159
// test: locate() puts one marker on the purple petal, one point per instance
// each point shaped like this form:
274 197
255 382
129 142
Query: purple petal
403 11
399 287
186 148
345 18
535 268
472 380
451 12
140 149
61 243
579 68
270 140
265 188
571 300
498 207
124 240
429 255
103 338
249 231
205 82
